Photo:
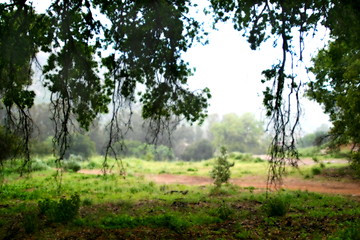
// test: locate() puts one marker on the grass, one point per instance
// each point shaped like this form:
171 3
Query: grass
243 167
112 207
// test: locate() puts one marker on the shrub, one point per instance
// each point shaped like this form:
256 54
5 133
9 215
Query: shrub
277 206
87 202
92 165
200 150
42 147
240 156
38 165
81 145
221 171
316 170
223 211
62 211
355 163
72 166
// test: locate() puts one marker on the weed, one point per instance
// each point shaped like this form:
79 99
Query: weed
92 165
169 221
87 202
224 211
244 234
250 188
316 170
134 190
308 176
30 222
192 170
258 160
62 211
277 206
351 232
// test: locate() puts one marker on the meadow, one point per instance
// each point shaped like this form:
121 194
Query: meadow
93 206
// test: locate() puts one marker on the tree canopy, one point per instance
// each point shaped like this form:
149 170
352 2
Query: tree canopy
239 133
145 40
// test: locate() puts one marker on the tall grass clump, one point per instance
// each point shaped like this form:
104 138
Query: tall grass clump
63 210
38 165
277 206
70 165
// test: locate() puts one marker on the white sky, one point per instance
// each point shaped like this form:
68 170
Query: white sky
233 72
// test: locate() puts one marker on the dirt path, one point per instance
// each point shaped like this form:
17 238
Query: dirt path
309 161
292 183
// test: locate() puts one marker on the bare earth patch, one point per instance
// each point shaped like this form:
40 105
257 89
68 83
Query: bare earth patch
292 183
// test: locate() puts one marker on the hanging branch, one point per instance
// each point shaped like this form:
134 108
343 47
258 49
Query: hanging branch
260 20
114 128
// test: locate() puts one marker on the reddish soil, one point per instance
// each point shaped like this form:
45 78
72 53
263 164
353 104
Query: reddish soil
325 186
308 161
314 185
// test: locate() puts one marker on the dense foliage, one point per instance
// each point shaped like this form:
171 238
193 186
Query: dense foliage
142 45
240 133
200 150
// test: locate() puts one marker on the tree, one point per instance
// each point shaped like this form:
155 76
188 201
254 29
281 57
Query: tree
145 39
337 84
81 145
285 21
200 150
238 133
144 43
337 88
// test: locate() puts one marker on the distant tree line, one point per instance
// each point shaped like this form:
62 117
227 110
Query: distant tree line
190 143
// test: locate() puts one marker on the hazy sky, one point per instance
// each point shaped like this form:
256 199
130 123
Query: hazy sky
233 72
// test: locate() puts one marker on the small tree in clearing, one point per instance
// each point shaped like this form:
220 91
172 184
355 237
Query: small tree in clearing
221 171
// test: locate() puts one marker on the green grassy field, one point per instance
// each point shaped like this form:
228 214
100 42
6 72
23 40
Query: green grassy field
111 207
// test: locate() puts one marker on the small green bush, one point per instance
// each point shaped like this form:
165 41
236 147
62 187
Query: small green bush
72 166
87 202
92 165
224 211
38 165
316 170
192 170
62 211
277 206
